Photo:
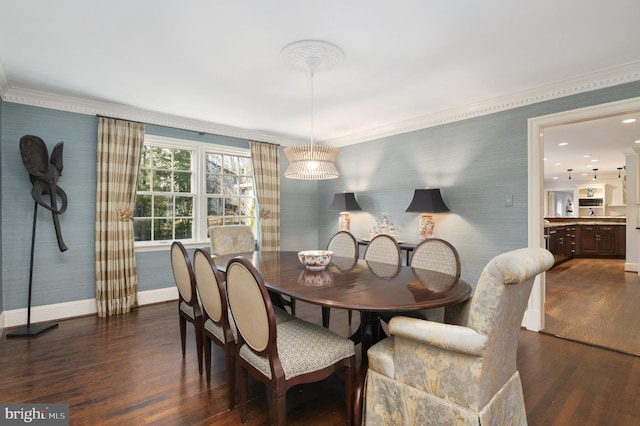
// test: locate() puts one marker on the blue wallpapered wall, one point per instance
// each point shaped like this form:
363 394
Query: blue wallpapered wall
475 162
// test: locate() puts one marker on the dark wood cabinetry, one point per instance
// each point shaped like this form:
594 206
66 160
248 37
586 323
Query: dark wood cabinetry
562 242
586 240
600 241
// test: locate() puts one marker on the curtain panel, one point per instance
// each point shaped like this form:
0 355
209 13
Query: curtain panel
120 145
266 173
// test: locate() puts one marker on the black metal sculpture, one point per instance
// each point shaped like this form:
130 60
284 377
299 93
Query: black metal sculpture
44 174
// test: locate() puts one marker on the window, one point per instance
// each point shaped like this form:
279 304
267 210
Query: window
185 186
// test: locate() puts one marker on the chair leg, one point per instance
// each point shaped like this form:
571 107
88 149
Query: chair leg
199 345
183 335
350 316
326 316
293 306
230 356
207 357
243 378
279 409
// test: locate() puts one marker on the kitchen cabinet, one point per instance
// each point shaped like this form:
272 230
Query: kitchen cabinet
561 243
600 241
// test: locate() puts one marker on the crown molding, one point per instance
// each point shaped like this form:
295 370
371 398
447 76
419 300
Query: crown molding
597 80
125 112
584 83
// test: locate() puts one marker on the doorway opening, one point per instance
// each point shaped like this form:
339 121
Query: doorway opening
534 317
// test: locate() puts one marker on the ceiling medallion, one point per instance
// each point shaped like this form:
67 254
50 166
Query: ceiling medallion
299 54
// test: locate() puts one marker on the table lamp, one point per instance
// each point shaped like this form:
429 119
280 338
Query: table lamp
344 202
427 201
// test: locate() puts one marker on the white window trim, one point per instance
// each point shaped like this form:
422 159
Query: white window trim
200 237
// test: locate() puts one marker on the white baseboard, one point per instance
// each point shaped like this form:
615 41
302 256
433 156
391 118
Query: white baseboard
59 311
631 267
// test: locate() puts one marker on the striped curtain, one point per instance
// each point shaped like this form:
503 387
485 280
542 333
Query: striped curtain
119 147
266 173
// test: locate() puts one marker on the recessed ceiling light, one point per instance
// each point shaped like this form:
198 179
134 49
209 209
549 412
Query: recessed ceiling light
586 156
589 165
563 144
638 141
557 164
629 120
555 178
594 161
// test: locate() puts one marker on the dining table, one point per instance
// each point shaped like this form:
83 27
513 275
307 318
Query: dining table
369 287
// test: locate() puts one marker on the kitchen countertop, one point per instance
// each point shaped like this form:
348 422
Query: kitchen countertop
563 221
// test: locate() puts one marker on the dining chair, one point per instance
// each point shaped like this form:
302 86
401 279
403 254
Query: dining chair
465 372
218 325
281 355
438 255
189 309
343 245
383 249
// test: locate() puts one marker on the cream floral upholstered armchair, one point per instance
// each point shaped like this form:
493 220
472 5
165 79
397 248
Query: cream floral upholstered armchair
228 239
463 373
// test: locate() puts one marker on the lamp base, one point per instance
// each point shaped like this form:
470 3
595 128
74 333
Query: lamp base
426 227
344 223
32 330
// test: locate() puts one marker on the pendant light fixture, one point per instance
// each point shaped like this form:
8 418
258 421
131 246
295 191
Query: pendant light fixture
569 170
312 161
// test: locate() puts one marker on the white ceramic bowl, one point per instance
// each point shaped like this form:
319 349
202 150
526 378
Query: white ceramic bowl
315 260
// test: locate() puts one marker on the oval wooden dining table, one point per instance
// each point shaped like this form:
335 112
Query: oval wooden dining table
367 287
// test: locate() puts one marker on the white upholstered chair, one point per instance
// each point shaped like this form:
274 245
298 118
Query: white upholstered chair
285 354
462 373
343 245
189 309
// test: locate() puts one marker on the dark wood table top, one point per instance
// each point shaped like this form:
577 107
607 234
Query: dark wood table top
361 285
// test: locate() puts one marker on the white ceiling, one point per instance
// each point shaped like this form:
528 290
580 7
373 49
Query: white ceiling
407 63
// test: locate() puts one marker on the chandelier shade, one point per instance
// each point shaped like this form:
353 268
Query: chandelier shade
311 162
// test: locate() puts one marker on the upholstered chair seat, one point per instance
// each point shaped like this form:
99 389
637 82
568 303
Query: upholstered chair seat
463 373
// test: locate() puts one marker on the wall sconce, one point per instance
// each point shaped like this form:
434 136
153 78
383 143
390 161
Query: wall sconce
427 201
344 202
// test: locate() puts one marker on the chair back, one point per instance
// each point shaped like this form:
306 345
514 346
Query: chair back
182 272
213 295
498 304
250 306
343 244
384 249
437 255
229 239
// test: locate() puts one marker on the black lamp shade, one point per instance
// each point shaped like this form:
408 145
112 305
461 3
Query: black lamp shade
344 202
427 201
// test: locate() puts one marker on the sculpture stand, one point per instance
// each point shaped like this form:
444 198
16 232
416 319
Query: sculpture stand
32 330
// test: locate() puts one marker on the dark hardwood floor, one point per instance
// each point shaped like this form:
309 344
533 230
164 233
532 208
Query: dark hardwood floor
596 302
128 370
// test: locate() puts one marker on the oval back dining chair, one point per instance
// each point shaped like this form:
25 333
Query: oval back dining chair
217 322
189 309
438 255
343 245
281 354
384 249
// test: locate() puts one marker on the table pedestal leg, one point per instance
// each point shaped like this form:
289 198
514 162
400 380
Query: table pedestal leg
370 334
